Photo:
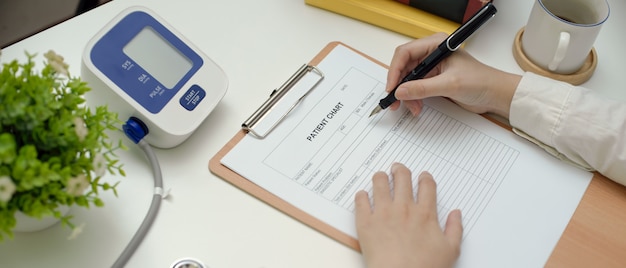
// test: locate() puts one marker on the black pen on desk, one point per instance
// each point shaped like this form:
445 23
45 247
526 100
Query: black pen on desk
451 44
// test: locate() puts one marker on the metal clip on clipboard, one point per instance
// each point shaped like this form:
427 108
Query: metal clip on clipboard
276 96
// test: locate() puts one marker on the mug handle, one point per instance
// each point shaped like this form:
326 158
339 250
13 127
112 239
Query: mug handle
561 49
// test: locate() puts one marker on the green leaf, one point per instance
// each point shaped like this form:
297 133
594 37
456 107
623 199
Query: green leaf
8 146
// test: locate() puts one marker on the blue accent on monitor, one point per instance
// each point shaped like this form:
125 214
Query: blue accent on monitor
192 97
107 55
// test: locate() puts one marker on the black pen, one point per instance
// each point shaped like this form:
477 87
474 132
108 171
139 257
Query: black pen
451 44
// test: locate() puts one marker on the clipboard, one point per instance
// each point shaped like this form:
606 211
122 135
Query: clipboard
244 184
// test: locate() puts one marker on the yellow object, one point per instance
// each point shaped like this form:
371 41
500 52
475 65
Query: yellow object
390 15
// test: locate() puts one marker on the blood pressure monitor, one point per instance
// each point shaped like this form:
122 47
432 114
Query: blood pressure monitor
140 66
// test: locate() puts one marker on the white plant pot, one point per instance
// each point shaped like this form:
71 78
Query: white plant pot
26 223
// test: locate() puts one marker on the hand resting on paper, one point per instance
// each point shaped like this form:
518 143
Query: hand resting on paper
398 230
402 230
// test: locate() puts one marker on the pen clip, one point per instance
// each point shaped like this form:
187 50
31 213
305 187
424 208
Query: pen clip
474 23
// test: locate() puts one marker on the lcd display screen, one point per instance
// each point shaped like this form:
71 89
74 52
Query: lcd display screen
158 57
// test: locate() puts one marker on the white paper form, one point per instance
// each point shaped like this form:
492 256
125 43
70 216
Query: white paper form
516 200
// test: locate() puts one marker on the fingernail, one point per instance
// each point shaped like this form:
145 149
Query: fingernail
457 213
395 166
421 176
401 91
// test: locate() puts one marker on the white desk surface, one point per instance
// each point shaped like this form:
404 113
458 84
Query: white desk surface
259 44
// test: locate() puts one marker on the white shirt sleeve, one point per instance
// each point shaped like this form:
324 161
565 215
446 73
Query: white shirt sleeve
572 123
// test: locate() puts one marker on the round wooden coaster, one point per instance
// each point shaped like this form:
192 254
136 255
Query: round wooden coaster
576 78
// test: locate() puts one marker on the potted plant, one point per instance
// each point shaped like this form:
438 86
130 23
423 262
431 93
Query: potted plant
53 149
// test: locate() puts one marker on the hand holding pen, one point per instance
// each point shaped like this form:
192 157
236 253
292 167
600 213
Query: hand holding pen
451 44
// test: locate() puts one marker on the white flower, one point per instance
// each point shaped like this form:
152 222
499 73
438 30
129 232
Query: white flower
77 230
76 186
53 56
7 188
60 68
56 62
99 165
80 128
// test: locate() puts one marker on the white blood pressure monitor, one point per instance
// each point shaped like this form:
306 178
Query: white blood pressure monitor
140 66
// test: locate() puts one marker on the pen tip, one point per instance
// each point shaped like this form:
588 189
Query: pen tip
375 111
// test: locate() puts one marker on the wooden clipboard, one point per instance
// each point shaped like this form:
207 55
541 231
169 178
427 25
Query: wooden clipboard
595 235
244 184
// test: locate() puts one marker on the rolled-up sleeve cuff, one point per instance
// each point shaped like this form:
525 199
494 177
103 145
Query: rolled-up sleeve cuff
536 110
